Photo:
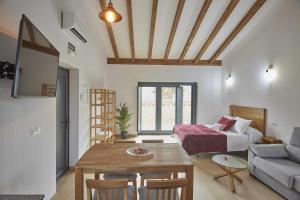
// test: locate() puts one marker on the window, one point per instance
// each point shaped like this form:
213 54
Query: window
161 105
148 108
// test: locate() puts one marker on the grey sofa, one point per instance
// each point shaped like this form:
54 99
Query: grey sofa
278 166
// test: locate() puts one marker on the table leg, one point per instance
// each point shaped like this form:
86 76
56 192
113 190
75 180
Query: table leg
232 181
78 184
220 176
190 182
237 178
232 173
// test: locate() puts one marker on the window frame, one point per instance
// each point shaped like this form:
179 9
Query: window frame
159 85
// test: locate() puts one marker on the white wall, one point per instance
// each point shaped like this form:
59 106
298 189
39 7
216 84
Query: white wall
124 79
28 163
274 40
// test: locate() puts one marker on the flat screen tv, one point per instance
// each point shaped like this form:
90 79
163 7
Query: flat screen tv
36 63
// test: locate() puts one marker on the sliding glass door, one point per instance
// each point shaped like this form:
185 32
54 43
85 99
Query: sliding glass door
168 108
161 105
148 108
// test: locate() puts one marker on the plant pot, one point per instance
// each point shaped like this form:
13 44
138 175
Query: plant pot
124 134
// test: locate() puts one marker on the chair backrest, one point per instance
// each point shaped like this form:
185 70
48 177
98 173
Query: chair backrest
169 189
124 141
152 141
107 189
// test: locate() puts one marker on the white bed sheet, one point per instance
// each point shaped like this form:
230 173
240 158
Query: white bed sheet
236 141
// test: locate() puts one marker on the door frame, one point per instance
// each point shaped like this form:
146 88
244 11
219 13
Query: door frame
67 150
158 86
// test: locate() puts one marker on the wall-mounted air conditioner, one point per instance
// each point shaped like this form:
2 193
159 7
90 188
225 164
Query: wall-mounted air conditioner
73 28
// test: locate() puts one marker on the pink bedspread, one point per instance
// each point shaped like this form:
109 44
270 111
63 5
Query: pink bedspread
197 138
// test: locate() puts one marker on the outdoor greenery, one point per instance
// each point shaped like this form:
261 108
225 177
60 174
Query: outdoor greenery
123 117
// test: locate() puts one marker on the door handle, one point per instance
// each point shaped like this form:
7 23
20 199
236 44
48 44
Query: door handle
67 123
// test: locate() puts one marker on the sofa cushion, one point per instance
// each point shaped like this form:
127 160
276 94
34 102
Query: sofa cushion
282 170
295 139
294 153
297 183
269 150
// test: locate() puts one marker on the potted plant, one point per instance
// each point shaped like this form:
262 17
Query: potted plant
123 119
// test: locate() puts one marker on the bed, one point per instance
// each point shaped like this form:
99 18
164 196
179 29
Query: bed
199 138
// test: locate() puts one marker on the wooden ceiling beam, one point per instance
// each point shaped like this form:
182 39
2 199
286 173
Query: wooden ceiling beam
36 47
130 26
110 32
145 61
196 26
30 32
152 29
174 27
253 10
231 6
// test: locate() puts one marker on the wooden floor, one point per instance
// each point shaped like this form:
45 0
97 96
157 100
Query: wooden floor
205 187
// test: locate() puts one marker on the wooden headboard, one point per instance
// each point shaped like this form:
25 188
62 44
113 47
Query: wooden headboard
257 115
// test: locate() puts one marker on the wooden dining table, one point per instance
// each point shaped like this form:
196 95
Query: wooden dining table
102 158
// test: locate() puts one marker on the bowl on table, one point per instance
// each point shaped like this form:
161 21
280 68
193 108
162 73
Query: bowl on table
139 151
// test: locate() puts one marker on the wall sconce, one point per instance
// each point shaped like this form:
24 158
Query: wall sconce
229 80
270 73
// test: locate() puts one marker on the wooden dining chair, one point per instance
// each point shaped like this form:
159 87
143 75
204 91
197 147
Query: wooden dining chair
157 175
109 190
130 177
164 190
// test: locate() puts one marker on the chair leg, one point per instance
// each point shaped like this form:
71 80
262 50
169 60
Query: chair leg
97 175
135 189
175 175
142 181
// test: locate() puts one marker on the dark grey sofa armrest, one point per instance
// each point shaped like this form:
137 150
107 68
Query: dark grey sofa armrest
269 150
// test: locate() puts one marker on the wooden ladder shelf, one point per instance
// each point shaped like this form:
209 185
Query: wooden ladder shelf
102 115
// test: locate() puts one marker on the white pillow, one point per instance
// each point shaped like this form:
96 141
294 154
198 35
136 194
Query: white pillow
241 125
254 134
218 127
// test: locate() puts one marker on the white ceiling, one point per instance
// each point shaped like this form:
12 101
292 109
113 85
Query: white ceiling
165 15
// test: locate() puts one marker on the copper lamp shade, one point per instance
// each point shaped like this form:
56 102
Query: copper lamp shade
109 14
